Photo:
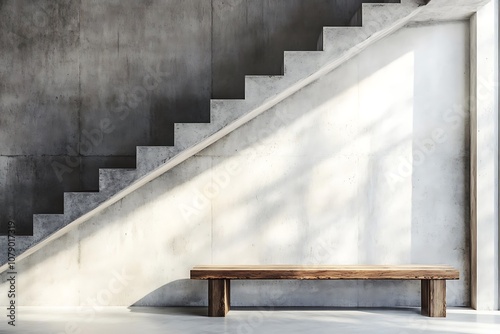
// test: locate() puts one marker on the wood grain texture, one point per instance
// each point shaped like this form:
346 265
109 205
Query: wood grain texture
356 272
219 298
434 298
424 295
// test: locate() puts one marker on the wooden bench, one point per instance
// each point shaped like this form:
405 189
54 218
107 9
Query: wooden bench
433 280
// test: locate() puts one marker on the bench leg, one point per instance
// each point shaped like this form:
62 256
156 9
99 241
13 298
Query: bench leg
434 298
219 297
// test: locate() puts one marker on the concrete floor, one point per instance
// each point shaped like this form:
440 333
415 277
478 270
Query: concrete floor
245 321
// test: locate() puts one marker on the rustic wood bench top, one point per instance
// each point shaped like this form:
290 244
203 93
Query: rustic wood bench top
433 280
306 272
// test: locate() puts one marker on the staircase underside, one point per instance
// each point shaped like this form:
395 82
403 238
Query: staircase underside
336 45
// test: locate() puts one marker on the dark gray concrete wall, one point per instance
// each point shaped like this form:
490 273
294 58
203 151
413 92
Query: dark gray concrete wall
82 83
39 105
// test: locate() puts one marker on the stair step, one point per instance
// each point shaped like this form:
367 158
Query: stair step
77 204
389 12
150 158
378 21
225 112
189 134
338 40
113 180
45 224
304 63
22 244
261 87
222 113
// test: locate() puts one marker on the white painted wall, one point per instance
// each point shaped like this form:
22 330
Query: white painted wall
367 165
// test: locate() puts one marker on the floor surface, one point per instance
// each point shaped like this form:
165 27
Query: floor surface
246 321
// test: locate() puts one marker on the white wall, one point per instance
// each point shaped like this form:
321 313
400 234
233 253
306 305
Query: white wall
343 172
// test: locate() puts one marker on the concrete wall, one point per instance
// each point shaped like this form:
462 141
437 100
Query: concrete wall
66 66
367 165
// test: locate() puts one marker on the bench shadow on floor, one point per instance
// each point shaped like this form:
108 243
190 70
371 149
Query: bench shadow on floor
173 311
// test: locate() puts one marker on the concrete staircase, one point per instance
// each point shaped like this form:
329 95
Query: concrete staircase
335 46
